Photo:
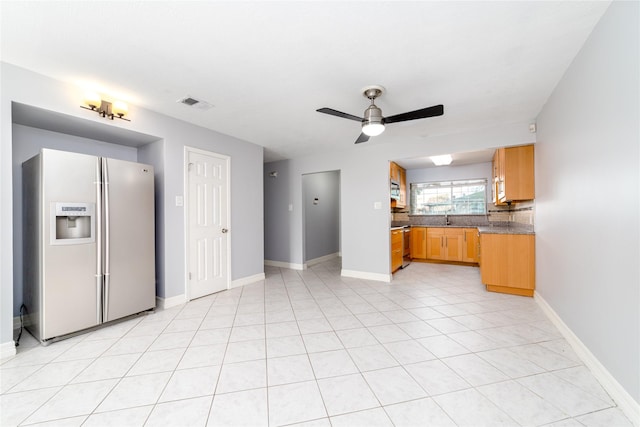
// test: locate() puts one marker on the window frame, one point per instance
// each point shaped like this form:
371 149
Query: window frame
451 184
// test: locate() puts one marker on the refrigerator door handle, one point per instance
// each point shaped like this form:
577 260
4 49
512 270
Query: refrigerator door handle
106 266
98 233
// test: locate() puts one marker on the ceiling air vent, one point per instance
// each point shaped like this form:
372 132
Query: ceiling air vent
195 103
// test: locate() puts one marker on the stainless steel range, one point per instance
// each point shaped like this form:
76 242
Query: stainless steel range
406 243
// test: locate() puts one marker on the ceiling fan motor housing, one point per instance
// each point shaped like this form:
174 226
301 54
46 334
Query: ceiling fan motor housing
373 122
373 115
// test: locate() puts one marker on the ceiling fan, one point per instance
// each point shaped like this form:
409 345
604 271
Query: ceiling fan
373 122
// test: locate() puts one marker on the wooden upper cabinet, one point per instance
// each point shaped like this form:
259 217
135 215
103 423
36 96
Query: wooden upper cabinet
513 174
495 175
403 188
399 175
394 172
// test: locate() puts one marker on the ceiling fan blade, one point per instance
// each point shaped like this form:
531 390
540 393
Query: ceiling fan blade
362 138
337 113
436 110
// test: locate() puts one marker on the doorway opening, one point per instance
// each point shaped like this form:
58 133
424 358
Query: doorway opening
321 216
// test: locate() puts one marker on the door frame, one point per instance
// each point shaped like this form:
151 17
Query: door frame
185 212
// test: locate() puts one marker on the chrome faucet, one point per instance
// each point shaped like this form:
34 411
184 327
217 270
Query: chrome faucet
446 219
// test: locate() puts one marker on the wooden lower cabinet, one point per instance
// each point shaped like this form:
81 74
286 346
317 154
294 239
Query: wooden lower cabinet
453 244
470 243
419 242
435 243
396 249
445 244
508 263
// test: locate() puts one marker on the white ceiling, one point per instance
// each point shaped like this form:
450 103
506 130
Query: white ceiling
267 66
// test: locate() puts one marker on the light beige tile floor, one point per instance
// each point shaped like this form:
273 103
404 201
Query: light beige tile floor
431 349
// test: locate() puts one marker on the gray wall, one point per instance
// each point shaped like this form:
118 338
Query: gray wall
277 217
321 220
27 142
587 196
247 248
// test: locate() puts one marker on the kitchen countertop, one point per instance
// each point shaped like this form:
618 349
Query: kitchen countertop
508 229
482 229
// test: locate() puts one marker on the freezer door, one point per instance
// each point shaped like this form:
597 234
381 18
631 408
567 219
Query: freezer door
70 288
129 238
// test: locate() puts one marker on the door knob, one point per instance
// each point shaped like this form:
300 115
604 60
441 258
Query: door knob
224 230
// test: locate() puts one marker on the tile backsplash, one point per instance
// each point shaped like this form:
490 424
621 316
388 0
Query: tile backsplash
522 213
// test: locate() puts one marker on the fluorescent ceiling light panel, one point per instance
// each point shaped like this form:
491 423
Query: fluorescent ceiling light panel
443 160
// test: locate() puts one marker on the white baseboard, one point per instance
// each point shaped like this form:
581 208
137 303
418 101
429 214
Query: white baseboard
367 276
623 399
321 259
246 280
164 303
281 264
7 349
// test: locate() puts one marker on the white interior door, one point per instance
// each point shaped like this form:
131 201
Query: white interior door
208 223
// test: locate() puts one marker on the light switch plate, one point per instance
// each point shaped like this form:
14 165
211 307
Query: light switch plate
179 201
377 205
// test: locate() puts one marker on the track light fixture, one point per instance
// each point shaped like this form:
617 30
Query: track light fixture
109 110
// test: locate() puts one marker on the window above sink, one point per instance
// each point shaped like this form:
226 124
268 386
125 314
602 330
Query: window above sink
460 197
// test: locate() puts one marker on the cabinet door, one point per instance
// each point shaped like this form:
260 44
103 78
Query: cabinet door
518 173
394 172
403 188
494 255
495 178
508 263
418 242
453 244
435 243
396 249
470 245
501 174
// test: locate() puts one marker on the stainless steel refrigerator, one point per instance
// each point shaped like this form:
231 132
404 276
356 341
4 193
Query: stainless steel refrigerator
88 239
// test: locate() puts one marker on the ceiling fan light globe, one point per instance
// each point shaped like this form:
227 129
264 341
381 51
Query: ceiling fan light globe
372 129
